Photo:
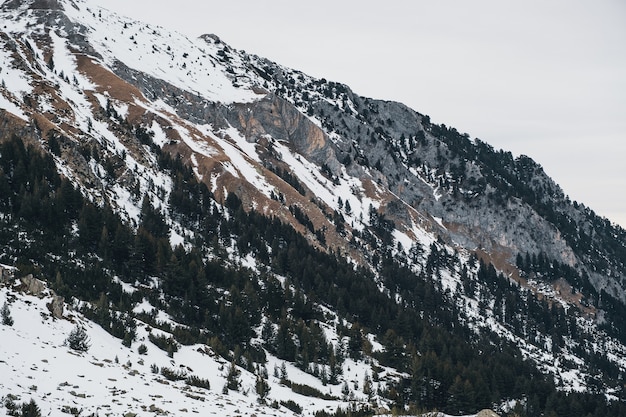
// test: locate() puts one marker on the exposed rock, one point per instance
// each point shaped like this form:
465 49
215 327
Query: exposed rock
487 413
34 4
56 306
5 274
33 285
278 118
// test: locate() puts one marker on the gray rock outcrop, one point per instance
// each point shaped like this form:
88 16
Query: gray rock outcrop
32 285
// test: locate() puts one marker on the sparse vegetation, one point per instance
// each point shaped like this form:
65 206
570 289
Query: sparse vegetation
173 375
292 405
198 382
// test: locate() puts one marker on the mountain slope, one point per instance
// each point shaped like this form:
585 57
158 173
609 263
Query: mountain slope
243 197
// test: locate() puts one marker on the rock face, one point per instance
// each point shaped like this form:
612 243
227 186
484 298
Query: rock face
36 287
5 275
32 285
279 119
35 4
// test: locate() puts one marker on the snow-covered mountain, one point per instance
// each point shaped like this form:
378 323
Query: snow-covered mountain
261 216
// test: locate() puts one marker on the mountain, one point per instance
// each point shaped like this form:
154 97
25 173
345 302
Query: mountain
202 202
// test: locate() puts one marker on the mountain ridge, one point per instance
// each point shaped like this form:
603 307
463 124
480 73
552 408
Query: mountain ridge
413 203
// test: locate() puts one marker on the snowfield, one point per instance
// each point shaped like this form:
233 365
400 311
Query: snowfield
112 379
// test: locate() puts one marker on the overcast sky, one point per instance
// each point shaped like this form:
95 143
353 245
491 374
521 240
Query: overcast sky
542 78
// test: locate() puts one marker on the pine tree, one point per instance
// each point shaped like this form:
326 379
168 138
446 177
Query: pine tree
262 388
78 339
232 380
367 386
30 409
7 320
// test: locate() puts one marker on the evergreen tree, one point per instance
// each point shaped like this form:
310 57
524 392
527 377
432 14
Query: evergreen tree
30 409
262 388
5 313
232 379
78 339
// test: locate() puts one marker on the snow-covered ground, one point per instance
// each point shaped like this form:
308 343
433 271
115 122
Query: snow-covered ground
112 379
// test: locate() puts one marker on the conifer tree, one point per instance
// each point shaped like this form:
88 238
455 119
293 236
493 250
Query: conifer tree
232 379
5 313
262 388
78 339
30 409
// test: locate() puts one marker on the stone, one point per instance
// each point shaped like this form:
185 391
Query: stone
487 413
33 285
56 306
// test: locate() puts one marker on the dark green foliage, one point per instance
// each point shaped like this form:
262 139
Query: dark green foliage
26 409
450 368
78 339
262 388
309 391
53 144
30 409
292 405
5 313
198 382
165 343
289 179
353 411
233 382
173 375
301 217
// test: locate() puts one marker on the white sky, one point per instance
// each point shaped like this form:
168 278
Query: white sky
541 78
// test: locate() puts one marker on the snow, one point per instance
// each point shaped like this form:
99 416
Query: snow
127 288
439 221
349 188
13 79
244 159
113 379
190 65
195 66
160 138
12 108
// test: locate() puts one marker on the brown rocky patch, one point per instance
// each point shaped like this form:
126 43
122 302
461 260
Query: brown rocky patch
107 81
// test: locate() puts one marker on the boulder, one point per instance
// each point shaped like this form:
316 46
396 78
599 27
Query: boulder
56 306
33 285
6 274
487 413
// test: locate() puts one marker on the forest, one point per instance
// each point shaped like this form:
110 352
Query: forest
85 250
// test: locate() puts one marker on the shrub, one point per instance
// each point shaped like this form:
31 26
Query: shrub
173 375
309 391
198 382
293 406
167 344
142 349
